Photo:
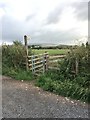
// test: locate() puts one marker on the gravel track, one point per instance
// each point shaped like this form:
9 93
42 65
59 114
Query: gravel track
21 99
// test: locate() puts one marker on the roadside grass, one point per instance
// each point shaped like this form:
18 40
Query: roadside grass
58 84
50 51
12 61
18 74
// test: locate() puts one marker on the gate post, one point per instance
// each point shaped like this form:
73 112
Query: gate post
46 61
33 64
26 48
76 66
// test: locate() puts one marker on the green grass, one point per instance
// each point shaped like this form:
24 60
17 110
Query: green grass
50 51
58 84
18 74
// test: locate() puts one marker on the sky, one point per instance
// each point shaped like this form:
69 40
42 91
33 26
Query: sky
44 21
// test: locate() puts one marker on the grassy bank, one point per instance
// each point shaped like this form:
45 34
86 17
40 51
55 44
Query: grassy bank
12 62
18 74
76 88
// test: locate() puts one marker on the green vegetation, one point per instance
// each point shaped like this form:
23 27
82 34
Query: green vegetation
71 80
13 58
74 88
66 81
50 51
17 73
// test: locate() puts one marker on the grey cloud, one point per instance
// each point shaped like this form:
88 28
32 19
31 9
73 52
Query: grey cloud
81 10
55 37
29 17
53 17
15 30
11 28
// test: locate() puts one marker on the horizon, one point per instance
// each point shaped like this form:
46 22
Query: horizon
47 44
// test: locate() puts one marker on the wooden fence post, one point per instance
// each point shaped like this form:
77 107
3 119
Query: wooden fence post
26 48
33 64
43 64
76 66
46 61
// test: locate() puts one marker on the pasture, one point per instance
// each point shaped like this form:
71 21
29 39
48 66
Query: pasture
51 51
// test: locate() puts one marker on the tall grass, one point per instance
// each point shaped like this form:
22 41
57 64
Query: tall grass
66 82
13 57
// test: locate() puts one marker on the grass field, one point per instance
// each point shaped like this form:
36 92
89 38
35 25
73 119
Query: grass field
50 51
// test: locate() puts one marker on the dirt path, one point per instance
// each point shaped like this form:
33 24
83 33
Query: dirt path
24 100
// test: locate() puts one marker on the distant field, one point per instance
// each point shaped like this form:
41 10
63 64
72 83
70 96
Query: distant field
51 51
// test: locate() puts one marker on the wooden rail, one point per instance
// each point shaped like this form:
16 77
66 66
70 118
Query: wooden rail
42 62
53 61
57 56
38 63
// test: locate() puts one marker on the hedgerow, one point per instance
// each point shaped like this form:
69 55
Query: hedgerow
13 59
65 81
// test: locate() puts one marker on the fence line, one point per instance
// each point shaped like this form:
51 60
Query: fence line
38 63
42 62
53 61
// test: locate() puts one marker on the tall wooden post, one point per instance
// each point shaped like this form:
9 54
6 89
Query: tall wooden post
76 66
33 64
46 61
26 47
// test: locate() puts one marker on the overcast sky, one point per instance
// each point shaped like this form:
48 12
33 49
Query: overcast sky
45 21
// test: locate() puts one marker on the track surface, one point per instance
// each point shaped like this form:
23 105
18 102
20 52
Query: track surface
23 100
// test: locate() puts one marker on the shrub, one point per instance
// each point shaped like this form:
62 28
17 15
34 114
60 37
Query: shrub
66 82
13 57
